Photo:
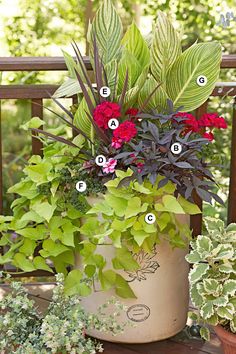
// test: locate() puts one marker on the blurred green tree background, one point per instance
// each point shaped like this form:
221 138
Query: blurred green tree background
44 27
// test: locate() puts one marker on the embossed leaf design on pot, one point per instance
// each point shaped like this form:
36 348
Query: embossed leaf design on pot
147 265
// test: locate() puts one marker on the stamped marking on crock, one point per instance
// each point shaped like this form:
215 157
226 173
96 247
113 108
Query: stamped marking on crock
138 313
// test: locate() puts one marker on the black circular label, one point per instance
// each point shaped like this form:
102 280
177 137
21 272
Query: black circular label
138 313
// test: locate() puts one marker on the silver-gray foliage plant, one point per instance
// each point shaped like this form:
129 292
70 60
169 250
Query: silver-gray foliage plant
213 276
23 330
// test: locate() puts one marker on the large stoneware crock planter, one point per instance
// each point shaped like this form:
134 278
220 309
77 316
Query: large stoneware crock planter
161 287
227 339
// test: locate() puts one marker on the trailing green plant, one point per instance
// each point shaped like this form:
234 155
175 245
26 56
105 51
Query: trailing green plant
213 276
24 330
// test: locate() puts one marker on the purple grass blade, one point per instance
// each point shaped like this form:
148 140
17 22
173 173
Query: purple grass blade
79 131
98 130
148 98
54 137
98 70
124 90
83 68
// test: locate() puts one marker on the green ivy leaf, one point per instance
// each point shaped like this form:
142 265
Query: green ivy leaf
170 204
124 260
32 216
123 289
226 268
107 279
39 173
90 270
117 204
90 227
221 301
74 286
28 247
51 248
102 207
44 209
189 208
135 207
40 263
34 122
24 188
33 233
213 320
139 236
20 261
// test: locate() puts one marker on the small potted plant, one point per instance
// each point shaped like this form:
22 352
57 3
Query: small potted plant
213 282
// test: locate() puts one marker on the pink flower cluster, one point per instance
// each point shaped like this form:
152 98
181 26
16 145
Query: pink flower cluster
109 166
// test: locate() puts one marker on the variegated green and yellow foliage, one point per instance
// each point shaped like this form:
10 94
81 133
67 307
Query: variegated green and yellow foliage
213 276
147 65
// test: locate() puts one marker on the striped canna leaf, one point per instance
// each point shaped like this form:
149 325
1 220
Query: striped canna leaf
134 42
201 59
107 27
158 99
135 58
165 48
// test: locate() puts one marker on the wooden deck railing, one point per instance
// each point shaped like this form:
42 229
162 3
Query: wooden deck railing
37 93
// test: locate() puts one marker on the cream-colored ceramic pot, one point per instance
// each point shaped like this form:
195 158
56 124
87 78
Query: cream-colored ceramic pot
161 288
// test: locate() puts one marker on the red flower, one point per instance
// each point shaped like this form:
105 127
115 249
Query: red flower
212 120
126 131
221 123
140 166
132 112
190 121
104 112
209 136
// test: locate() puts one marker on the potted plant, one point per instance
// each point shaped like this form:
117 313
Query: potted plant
61 329
109 208
213 281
